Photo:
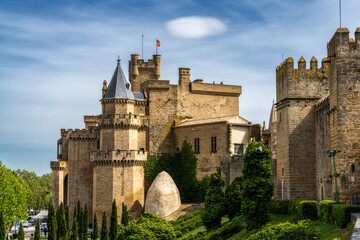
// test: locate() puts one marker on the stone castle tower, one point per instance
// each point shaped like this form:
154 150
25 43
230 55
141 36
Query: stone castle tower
105 161
317 109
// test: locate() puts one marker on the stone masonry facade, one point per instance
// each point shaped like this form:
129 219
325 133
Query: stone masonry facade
318 109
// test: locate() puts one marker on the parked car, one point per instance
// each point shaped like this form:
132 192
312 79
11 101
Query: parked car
26 224
43 226
32 222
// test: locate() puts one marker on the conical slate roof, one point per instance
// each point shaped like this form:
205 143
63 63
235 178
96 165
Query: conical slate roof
119 86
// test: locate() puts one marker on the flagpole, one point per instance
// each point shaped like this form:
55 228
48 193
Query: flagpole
156 47
142 46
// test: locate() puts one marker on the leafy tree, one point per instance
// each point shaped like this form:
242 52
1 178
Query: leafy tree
214 203
2 227
85 223
96 228
104 229
233 198
113 222
21 235
37 231
52 223
74 230
61 222
124 215
15 196
257 185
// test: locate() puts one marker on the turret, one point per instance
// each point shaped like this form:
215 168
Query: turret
157 61
184 77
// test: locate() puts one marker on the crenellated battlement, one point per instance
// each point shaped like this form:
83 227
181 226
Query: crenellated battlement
301 82
130 120
116 157
348 45
79 134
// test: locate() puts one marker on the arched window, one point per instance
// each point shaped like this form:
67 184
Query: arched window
59 148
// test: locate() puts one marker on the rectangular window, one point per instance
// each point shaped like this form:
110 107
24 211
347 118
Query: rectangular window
238 149
213 144
197 145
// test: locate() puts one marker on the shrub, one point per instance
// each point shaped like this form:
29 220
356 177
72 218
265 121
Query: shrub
257 185
225 231
124 215
325 210
342 213
279 206
188 222
293 207
214 203
113 231
2 227
287 231
233 198
308 210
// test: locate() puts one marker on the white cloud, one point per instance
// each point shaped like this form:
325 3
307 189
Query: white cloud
195 27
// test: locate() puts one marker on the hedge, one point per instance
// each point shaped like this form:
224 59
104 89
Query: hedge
325 210
294 207
279 206
342 213
308 210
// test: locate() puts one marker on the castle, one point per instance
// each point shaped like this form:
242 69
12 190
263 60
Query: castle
318 109
105 161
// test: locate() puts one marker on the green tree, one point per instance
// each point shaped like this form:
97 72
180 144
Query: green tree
52 228
233 198
124 215
214 203
37 231
104 228
85 223
2 227
15 196
113 222
96 228
80 217
257 185
61 222
67 218
21 235
74 230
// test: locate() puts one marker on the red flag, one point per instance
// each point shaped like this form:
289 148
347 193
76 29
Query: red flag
157 43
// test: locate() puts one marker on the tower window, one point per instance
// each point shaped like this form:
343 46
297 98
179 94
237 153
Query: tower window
213 144
59 148
238 149
197 145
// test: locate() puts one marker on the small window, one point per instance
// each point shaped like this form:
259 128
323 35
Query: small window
59 149
197 145
238 149
213 144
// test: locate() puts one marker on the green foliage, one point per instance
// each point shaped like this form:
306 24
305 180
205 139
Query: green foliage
325 210
113 222
214 203
96 228
308 210
67 218
226 230
15 196
293 207
37 231
182 168
2 227
74 231
257 185
188 222
85 223
21 235
124 215
233 198
342 213
287 231
279 206
149 227
104 228
203 186
61 222
80 218
52 226
41 188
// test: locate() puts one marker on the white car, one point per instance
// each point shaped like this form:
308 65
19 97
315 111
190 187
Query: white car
26 224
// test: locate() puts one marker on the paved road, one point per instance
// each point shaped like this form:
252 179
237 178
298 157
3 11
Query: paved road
30 231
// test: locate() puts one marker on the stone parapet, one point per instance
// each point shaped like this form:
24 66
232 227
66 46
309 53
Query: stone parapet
122 157
58 165
215 89
79 134
124 119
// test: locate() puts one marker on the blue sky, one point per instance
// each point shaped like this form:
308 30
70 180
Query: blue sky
54 56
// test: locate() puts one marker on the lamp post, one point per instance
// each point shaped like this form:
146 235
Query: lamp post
332 154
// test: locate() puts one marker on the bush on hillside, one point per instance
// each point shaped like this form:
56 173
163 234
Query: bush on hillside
233 198
188 222
325 212
225 231
308 210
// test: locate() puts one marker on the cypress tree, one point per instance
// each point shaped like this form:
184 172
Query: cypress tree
21 235
85 222
80 222
113 222
104 229
124 215
37 230
51 223
61 222
67 218
74 230
2 227
95 230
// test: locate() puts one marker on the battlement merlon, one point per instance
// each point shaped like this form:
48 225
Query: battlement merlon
198 87
118 155
347 44
91 121
125 119
79 134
